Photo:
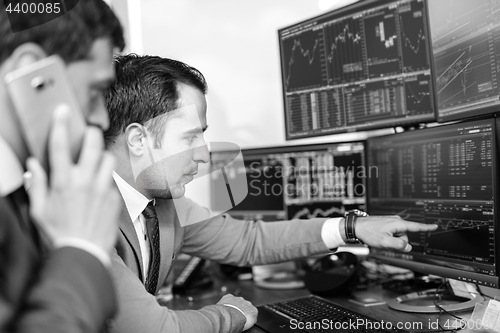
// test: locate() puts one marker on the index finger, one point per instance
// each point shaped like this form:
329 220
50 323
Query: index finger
59 149
415 226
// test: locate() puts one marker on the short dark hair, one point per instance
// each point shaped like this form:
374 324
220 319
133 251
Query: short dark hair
70 35
145 88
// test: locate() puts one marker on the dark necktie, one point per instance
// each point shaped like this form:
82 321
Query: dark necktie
153 229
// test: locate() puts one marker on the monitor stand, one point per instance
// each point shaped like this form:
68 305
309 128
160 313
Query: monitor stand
423 301
281 280
278 276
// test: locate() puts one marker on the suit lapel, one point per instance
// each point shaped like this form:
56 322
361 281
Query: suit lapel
167 218
128 231
19 256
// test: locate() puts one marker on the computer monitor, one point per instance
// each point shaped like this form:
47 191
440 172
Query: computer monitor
264 200
298 182
324 180
466 52
363 66
446 175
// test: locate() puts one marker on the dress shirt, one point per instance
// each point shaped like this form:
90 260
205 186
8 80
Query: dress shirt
11 170
330 233
136 203
11 178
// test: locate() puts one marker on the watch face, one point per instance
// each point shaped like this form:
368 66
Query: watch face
356 212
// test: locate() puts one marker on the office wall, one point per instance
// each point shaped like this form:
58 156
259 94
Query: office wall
235 45
121 9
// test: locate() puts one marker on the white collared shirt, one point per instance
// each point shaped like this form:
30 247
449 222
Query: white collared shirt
11 170
11 178
136 203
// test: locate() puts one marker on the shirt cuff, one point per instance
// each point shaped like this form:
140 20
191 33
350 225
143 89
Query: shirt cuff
86 246
237 308
330 233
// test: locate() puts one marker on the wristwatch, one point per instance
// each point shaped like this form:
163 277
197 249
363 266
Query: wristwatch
350 225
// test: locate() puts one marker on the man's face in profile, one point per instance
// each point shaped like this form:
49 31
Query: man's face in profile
182 147
90 77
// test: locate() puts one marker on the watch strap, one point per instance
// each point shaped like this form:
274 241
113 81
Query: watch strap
350 228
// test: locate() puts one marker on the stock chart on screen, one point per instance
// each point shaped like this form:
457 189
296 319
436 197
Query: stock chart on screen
466 52
447 176
360 67
299 182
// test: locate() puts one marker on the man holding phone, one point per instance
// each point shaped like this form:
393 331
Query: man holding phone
55 240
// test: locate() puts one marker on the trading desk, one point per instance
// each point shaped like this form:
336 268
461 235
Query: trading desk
259 296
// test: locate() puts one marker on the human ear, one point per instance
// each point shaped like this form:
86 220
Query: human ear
135 136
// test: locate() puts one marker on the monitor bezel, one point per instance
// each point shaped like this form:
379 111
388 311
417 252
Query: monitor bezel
346 10
426 268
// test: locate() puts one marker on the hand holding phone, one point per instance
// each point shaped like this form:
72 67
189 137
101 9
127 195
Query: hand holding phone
80 200
36 90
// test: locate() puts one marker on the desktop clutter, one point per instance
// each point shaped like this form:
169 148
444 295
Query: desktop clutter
342 274
334 274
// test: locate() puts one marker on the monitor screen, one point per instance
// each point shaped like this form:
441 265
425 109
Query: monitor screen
264 200
466 51
360 67
298 182
447 176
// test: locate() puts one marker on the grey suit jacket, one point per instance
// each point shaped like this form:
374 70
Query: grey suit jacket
71 291
222 239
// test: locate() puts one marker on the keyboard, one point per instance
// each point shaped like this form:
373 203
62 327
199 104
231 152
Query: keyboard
315 314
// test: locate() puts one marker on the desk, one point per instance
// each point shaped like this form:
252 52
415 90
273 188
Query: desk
259 296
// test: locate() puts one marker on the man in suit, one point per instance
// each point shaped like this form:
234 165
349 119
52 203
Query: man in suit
157 113
56 240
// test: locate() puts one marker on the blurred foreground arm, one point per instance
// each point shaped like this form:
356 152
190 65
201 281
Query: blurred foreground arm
72 291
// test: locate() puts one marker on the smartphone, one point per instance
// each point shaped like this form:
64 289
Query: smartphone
35 91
